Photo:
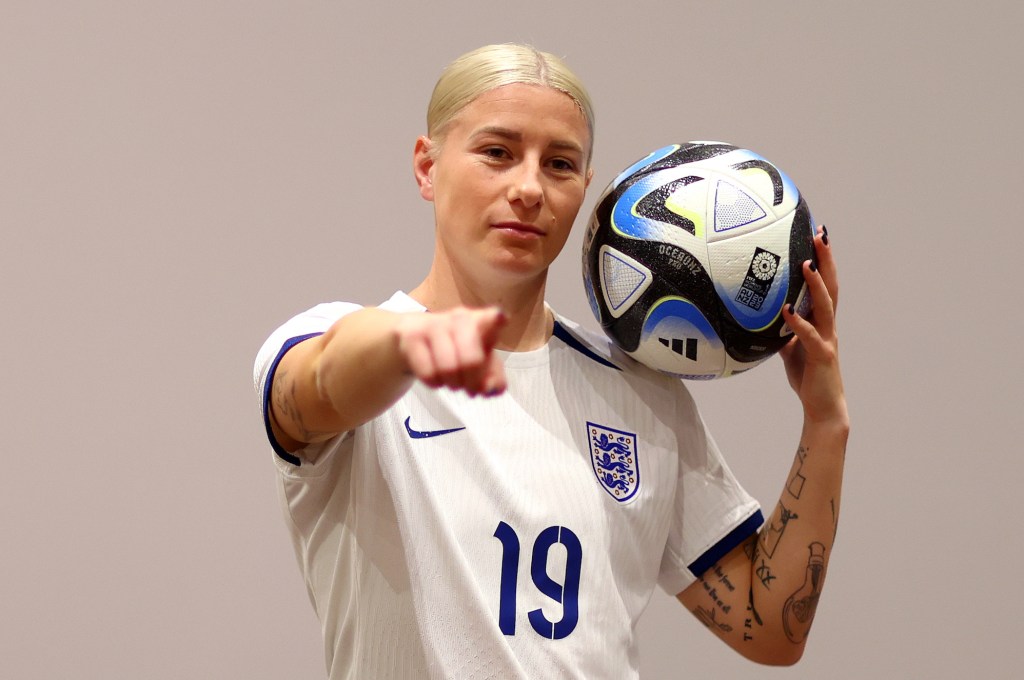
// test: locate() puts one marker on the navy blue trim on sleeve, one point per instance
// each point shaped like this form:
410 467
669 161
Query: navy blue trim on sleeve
278 449
563 334
728 542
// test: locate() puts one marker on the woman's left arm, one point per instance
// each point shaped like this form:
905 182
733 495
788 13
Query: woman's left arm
761 597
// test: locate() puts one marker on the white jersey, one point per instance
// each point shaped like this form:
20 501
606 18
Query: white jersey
518 536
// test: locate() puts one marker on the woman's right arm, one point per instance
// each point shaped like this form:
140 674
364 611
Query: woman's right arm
367 360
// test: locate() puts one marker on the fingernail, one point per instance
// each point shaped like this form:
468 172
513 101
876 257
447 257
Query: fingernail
824 234
791 309
813 266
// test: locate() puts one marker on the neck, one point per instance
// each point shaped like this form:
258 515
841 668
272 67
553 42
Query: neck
530 322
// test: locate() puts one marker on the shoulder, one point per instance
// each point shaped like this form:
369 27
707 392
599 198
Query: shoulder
640 397
319 318
599 348
313 322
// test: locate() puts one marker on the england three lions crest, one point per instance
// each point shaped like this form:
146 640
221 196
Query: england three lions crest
613 455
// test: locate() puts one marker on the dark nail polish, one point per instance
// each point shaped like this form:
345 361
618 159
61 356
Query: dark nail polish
792 310
814 267
824 239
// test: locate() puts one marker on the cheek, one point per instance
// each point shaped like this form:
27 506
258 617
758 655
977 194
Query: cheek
567 203
470 188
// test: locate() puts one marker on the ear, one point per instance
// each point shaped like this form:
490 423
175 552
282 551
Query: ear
590 176
423 166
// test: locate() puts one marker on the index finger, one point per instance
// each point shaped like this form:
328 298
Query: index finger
827 264
492 320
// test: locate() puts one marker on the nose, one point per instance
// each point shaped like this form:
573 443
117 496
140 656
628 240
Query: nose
526 186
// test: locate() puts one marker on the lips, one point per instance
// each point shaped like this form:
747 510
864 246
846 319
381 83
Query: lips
523 229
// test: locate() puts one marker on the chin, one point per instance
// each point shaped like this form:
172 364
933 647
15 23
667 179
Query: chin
519 268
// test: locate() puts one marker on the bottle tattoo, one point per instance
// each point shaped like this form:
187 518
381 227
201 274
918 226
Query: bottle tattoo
798 612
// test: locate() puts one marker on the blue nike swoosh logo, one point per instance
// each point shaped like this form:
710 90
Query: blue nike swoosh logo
423 434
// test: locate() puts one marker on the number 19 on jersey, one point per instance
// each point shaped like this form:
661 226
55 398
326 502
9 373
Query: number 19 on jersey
565 592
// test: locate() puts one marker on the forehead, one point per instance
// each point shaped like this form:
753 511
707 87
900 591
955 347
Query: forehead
528 109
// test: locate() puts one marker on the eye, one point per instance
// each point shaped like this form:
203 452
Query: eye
562 164
496 152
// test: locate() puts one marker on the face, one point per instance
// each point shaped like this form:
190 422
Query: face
506 183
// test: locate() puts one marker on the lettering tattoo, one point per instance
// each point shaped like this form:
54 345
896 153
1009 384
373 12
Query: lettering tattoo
752 618
716 586
750 548
722 577
712 592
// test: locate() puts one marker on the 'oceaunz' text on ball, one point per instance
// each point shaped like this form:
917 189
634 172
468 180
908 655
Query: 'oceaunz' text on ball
679 258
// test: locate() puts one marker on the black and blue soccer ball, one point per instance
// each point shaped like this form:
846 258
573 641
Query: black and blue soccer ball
691 255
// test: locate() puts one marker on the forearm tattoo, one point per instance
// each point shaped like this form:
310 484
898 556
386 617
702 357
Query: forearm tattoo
751 549
799 609
717 587
769 568
798 612
707 617
752 618
796 483
771 534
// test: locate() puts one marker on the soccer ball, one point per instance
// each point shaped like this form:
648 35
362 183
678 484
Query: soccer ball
691 255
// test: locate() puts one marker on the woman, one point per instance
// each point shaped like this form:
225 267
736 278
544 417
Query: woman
440 455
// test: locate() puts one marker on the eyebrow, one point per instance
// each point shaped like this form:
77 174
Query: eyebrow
515 136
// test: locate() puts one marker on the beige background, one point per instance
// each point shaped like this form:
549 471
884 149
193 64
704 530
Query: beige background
177 178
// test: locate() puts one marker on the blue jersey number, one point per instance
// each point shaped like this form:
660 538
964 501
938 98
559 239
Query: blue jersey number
566 593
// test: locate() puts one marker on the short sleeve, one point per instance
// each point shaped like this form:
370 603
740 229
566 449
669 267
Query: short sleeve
712 513
302 327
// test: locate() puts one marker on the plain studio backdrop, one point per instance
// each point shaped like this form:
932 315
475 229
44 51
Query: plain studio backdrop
178 178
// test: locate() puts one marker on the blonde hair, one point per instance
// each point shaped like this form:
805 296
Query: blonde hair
492 66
